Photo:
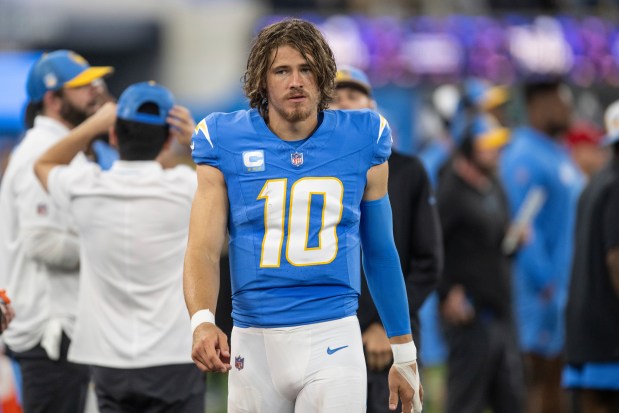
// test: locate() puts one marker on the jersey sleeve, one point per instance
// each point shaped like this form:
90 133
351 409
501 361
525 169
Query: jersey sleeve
62 179
204 150
382 141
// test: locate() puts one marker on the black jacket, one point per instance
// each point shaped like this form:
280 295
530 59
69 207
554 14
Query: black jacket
417 233
474 224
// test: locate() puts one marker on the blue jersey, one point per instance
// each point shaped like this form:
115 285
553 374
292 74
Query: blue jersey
535 160
294 212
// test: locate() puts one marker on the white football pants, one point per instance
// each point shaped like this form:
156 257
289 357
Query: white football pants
305 369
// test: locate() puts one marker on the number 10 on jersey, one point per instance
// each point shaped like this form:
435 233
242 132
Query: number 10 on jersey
297 251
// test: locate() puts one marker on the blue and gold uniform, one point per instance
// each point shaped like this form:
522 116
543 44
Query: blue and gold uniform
534 160
294 212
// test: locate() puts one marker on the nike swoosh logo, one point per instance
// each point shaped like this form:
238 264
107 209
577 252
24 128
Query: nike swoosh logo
329 351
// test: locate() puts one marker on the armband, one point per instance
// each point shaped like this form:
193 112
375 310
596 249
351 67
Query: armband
200 317
404 353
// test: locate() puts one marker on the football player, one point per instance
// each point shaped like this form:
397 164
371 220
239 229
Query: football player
299 189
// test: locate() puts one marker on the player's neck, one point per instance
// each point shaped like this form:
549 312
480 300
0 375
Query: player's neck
292 131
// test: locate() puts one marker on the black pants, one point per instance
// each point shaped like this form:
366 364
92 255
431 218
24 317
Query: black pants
52 386
176 388
378 391
484 367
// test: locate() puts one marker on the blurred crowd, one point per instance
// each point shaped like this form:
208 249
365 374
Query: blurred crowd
513 260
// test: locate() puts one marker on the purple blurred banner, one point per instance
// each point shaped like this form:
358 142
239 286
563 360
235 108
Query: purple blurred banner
503 50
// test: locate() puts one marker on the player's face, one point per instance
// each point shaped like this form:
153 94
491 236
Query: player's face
78 103
291 87
350 98
557 111
487 159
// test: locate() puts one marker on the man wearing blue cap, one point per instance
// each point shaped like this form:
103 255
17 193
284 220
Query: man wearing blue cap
39 252
417 235
592 335
475 290
133 220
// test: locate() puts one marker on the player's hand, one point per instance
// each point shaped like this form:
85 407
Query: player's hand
181 124
377 347
210 349
524 236
456 309
404 385
102 119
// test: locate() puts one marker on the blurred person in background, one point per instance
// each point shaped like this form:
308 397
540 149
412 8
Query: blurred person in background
417 236
488 98
484 368
39 250
132 328
584 141
456 106
592 330
476 96
538 159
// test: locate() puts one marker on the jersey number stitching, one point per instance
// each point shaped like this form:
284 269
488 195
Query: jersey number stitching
297 251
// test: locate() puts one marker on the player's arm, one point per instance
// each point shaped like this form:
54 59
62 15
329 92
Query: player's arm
207 235
386 284
63 152
53 246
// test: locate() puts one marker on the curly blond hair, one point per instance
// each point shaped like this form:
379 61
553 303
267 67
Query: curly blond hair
304 37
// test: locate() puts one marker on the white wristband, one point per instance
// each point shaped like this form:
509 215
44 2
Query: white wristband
404 353
202 316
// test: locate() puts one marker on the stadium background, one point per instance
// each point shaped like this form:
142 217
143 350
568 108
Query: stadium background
409 48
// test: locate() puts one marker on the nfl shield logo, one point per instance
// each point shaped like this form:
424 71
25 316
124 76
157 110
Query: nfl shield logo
296 159
239 362
42 209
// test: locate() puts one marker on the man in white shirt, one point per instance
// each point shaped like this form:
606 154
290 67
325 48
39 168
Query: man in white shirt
133 221
39 252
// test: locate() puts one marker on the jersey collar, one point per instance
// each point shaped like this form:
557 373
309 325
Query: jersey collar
51 124
121 166
317 138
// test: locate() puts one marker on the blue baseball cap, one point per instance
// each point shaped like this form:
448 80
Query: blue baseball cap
61 68
350 76
145 92
484 95
488 133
